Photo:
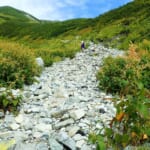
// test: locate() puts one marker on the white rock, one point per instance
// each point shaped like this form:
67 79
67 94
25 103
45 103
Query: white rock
73 131
37 134
60 93
2 114
82 125
19 119
86 147
66 140
54 145
43 127
64 123
77 114
79 137
14 126
40 62
80 143
99 126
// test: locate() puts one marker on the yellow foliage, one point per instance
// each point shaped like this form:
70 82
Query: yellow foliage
132 53
145 137
120 116
86 30
133 134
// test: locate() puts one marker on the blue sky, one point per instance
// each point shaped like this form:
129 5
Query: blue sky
64 9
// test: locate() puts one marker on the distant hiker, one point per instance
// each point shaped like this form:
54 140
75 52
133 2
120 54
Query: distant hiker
82 45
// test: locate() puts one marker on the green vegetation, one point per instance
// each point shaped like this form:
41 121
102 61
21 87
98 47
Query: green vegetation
17 65
9 102
7 13
120 75
129 23
116 28
23 37
128 77
56 50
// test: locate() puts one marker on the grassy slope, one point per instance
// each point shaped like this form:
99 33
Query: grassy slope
8 13
117 28
129 23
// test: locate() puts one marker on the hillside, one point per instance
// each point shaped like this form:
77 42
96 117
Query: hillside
129 23
8 13
116 28
99 95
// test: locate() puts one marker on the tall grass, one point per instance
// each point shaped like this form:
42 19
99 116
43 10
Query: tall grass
56 49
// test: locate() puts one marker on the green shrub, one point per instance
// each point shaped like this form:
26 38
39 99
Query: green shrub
145 72
131 124
120 75
9 102
56 49
127 76
46 56
111 76
17 65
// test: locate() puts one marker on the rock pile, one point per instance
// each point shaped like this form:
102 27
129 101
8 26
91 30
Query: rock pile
63 107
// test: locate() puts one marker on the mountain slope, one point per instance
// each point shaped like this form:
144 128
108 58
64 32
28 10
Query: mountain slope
129 23
116 28
8 13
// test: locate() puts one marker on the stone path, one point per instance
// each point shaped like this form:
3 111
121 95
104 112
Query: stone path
63 107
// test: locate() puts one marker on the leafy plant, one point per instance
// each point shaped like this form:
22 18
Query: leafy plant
9 102
98 140
127 76
131 124
120 75
17 65
116 28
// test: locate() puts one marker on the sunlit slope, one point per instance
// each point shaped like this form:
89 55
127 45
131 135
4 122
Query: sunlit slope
116 28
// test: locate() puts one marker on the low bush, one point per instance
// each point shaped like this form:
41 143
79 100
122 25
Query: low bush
131 124
9 102
127 76
56 49
17 65
120 75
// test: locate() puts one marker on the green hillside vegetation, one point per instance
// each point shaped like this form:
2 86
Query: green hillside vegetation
117 28
128 77
17 67
129 23
43 30
23 38
8 13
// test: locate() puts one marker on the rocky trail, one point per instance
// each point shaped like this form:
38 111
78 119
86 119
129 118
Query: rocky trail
63 107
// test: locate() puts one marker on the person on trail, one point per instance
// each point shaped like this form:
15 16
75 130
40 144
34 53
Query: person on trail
82 45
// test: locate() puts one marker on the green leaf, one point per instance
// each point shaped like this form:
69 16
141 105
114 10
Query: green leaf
92 138
147 132
108 132
125 139
5 102
143 110
118 138
101 144
140 85
15 102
